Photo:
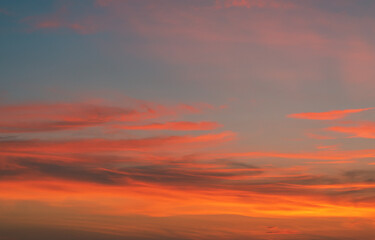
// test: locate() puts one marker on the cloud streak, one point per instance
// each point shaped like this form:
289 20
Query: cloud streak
254 4
44 117
330 115
106 145
175 126
360 130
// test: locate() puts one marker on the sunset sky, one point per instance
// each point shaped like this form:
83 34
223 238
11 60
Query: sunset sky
187 119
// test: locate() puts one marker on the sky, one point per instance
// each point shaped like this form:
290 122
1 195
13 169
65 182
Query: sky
187 119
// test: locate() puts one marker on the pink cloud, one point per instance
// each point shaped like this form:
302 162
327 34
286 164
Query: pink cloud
4 11
254 4
61 19
212 41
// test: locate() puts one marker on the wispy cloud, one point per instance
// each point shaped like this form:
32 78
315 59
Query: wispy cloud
359 130
175 126
109 145
45 117
330 115
255 4
319 136
4 11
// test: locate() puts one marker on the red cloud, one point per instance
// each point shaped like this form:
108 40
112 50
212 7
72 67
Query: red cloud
361 130
331 115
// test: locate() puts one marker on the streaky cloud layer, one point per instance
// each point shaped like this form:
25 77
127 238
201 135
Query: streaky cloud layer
200 119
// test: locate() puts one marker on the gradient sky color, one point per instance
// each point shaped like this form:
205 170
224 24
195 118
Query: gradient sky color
191 120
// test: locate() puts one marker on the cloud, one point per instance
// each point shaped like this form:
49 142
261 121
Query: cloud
175 126
319 136
4 11
61 116
98 169
318 155
32 169
277 230
195 33
46 117
61 19
254 4
360 130
109 145
185 227
167 189
331 115
367 176
332 162
327 147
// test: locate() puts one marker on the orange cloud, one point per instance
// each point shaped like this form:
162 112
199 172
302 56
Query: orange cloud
277 230
327 147
120 173
332 162
319 155
318 136
167 191
361 130
176 126
93 182
90 226
331 115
